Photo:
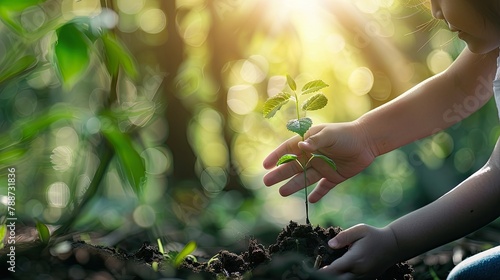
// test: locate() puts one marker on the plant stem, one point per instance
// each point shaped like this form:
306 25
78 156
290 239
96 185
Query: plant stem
305 192
107 154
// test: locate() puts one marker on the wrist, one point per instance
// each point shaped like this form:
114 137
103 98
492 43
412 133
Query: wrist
363 127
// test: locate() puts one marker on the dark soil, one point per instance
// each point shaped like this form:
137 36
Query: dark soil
297 253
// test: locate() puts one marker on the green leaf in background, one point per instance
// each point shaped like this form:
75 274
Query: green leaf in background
286 158
23 64
313 86
299 126
130 160
9 9
28 129
43 232
72 55
315 102
3 233
188 249
273 104
326 159
117 55
291 82
12 156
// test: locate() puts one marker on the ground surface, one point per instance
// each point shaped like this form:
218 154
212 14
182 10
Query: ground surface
297 253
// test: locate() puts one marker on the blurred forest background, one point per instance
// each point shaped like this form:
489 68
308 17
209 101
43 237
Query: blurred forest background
174 89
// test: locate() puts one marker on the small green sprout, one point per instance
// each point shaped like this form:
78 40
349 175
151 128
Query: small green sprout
301 124
43 232
176 258
3 234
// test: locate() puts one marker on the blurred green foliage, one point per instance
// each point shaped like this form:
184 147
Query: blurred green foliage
132 116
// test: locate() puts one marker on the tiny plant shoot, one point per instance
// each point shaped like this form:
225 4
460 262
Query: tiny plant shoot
301 124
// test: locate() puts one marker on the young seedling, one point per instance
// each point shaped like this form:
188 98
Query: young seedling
301 124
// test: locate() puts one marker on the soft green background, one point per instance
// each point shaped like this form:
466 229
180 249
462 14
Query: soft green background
181 98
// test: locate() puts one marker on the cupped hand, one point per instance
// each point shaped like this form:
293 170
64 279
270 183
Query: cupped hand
345 143
371 252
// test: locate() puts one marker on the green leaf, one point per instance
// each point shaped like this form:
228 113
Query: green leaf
18 5
43 232
313 86
188 249
117 55
315 102
130 160
10 9
286 158
3 232
291 82
21 65
72 53
160 246
11 156
273 104
31 128
326 159
299 126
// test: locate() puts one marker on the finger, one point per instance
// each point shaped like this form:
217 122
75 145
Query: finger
348 236
287 147
281 173
315 140
321 189
297 182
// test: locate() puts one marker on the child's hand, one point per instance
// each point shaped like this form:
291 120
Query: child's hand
345 143
371 252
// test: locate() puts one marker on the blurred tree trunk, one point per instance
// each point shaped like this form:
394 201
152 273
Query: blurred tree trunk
171 56
222 40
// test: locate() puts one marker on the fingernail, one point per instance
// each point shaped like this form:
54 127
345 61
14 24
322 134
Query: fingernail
333 243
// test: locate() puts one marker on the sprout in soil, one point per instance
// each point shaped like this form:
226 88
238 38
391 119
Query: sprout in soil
301 124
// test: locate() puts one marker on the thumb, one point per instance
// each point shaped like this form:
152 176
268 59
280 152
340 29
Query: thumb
314 142
347 237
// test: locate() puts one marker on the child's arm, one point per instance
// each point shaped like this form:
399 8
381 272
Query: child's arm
471 205
434 104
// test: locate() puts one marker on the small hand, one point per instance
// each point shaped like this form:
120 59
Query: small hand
345 143
371 251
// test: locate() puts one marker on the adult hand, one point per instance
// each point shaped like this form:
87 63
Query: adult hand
345 143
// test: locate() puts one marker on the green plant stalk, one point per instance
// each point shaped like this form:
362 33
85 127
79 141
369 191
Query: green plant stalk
105 160
304 166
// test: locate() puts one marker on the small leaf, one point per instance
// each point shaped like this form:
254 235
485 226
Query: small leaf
21 65
117 55
3 233
315 102
313 86
160 246
291 83
72 55
273 104
130 160
188 249
327 160
299 126
43 232
286 158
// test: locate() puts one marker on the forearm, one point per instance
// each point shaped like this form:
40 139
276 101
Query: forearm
433 105
470 206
